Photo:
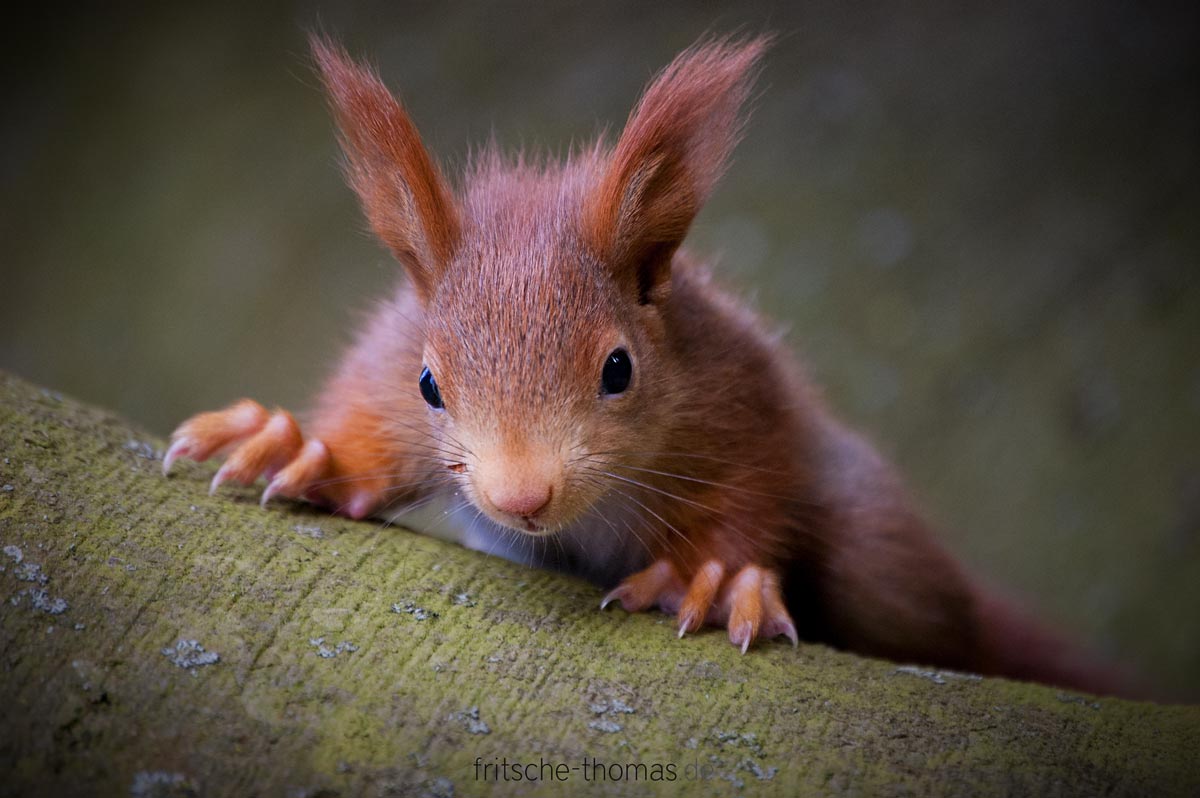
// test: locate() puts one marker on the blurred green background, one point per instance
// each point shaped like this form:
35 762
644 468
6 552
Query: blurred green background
981 227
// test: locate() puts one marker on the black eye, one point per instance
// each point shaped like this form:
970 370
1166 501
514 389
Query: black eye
429 389
618 369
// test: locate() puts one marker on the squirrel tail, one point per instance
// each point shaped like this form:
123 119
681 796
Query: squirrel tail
1016 645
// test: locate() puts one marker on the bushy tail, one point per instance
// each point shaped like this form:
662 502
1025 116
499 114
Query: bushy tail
1015 645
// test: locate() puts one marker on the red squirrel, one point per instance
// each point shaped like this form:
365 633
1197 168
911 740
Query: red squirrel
577 389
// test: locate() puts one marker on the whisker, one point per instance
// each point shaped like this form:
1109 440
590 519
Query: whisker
587 461
439 479
413 506
664 521
595 513
722 485
691 455
444 518
360 477
668 494
429 431
439 447
621 498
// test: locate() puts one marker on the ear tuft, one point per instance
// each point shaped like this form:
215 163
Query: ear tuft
670 155
403 193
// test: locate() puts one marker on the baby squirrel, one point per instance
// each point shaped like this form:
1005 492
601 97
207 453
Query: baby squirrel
600 403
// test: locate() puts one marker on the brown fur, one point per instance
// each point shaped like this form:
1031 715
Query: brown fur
403 193
718 464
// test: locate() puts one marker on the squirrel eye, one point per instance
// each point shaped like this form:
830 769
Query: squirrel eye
429 389
618 370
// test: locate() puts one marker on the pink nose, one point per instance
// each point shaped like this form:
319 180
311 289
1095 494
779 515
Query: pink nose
525 501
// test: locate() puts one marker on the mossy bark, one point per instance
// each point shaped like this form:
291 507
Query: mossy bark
358 659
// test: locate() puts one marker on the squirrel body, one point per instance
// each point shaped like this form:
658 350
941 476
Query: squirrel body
571 388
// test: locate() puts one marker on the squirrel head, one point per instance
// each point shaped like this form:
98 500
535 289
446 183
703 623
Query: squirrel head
546 286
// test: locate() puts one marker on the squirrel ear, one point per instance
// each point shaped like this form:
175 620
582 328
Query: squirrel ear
403 193
671 153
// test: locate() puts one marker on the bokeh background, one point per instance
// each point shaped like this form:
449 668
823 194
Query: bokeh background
980 225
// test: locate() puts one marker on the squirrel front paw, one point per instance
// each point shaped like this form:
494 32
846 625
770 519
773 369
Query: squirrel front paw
749 603
264 444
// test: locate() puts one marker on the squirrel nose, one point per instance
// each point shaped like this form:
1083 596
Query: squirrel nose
525 501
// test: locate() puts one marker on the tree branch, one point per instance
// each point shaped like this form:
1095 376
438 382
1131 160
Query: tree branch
158 641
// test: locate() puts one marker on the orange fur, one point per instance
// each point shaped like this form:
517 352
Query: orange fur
714 484
403 193
700 595
673 149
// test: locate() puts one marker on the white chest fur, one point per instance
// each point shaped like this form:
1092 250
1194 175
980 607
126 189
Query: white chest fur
604 546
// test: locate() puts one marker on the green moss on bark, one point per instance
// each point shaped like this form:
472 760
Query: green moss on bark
356 659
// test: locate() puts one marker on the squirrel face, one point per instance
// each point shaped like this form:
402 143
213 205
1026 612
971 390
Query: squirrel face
538 369
543 285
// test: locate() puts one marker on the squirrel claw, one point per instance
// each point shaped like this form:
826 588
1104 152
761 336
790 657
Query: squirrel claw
271 445
298 476
742 636
610 597
775 618
218 479
689 622
776 625
177 449
657 585
756 608
749 604
269 491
